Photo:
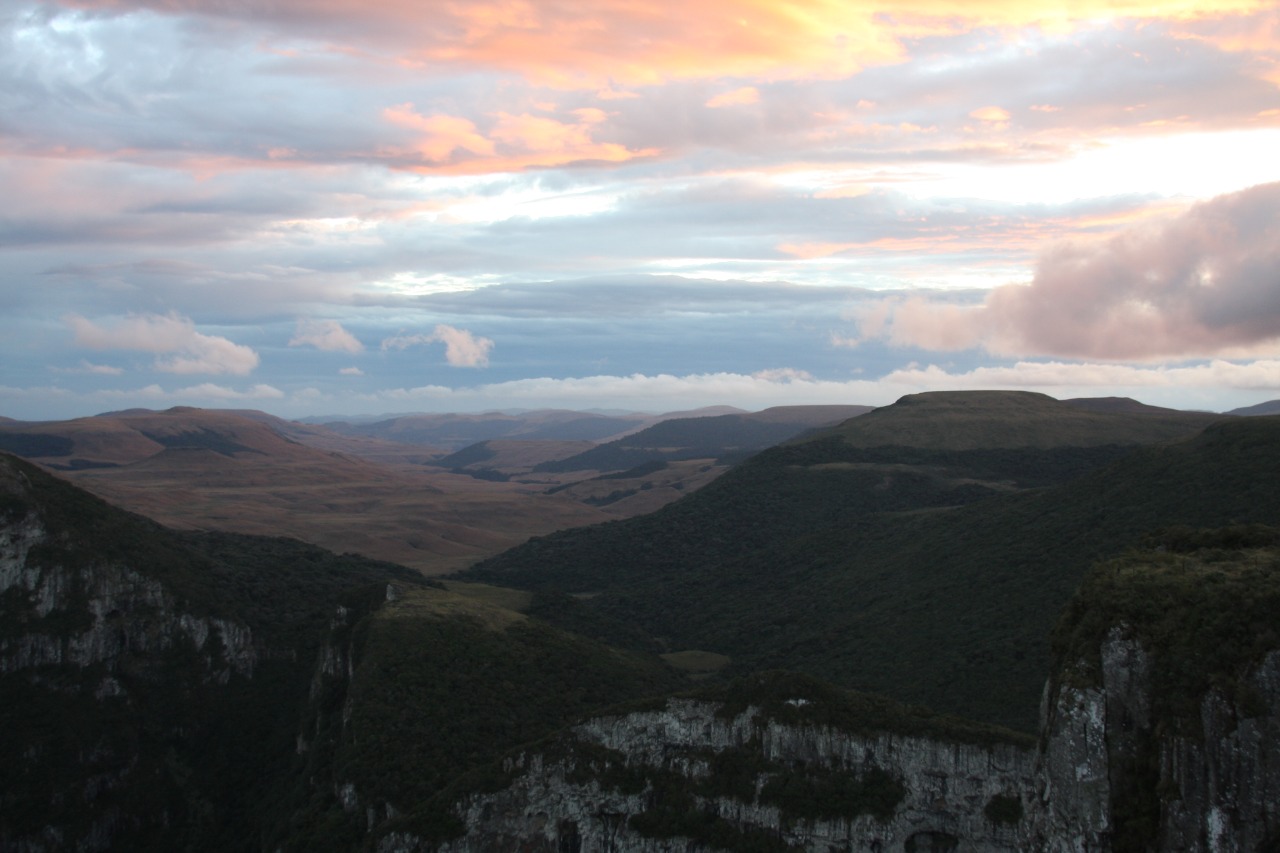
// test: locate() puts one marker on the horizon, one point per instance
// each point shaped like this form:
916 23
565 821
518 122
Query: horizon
708 410
522 206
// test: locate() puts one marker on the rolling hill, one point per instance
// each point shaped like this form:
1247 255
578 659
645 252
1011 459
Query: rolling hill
220 470
735 436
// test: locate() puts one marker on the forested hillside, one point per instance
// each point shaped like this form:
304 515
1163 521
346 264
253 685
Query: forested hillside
928 573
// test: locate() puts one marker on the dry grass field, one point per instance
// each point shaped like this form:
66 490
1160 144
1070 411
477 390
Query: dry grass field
216 470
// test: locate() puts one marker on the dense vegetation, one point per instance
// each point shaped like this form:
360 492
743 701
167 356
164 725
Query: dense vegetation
930 574
174 759
681 438
679 804
1205 606
443 684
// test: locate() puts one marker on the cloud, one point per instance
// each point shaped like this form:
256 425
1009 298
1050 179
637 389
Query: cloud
515 142
1172 386
995 118
441 135
1204 283
327 335
783 375
209 391
350 371
462 349
1261 375
737 97
188 351
616 42
91 369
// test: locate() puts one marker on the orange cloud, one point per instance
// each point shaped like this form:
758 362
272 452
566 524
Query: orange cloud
442 134
454 145
994 116
635 42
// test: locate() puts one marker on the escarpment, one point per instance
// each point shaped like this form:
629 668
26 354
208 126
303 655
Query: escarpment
805 768
1161 732
215 692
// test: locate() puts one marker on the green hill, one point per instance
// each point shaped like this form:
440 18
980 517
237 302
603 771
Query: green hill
732 435
968 420
929 573
443 683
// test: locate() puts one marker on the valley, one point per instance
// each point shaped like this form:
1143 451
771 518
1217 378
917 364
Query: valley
969 620
412 504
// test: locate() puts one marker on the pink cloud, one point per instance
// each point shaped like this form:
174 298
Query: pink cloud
327 335
1204 283
187 350
737 97
514 142
619 42
462 348
441 135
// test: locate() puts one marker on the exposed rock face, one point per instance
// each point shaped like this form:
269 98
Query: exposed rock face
107 611
618 793
1114 777
96 660
1109 775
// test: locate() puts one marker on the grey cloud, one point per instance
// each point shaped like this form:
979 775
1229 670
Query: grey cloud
1202 284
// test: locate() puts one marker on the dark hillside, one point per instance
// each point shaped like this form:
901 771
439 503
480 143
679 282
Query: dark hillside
444 683
966 420
216 691
126 715
704 437
1271 407
933 578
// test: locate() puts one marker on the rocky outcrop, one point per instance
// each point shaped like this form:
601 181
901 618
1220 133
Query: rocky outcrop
1116 776
100 614
688 774
1115 770
106 677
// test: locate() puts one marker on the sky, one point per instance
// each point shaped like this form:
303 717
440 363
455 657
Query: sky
324 207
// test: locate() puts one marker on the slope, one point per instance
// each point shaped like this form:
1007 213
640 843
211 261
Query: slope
221 470
152 679
713 437
928 573
212 691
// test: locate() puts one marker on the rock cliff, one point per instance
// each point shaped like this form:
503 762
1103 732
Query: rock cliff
1114 776
150 682
1161 732
795 773
204 693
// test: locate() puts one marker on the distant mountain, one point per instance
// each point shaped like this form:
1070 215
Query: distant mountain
969 420
253 473
1119 405
167 690
508 456
922 550
1271 407
706 437
452 432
